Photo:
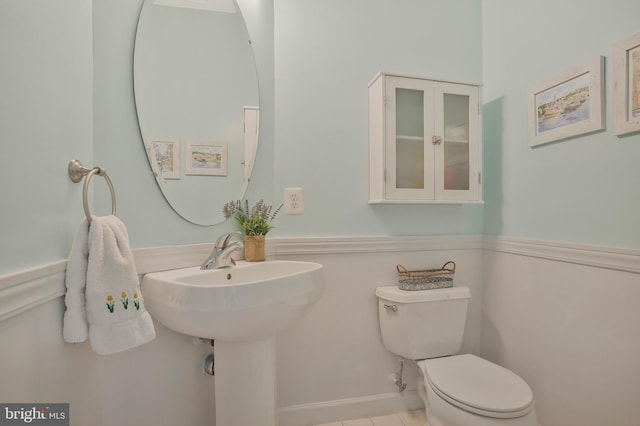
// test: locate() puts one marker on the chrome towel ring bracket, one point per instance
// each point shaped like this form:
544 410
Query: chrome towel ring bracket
77 170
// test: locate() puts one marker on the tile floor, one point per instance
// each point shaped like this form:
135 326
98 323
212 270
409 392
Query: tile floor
403 418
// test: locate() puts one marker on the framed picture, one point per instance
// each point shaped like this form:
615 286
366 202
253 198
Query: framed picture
569 105
626 87
206 158
164 157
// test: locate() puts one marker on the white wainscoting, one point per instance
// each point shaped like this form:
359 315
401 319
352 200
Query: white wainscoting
566 319
340 385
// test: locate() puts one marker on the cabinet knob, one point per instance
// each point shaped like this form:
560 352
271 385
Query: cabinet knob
436 140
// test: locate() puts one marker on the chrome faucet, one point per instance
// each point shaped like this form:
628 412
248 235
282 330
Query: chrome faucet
220 257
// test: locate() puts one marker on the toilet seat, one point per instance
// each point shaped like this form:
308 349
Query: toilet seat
478 386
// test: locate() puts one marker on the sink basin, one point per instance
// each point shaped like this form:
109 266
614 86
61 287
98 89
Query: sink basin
250 301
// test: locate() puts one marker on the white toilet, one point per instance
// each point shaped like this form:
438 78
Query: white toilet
458 390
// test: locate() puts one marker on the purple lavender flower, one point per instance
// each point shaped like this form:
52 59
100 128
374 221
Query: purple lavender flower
256 221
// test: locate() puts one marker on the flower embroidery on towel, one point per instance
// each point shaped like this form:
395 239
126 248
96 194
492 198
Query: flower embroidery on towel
110 303
125 300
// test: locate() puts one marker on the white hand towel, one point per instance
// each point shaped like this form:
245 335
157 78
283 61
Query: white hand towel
115 313
75 328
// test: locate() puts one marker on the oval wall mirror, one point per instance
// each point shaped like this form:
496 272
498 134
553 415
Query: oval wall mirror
196 94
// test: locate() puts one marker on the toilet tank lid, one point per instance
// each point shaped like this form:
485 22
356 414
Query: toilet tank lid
394 294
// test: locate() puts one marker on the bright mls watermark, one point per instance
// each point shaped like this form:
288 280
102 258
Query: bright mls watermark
34 414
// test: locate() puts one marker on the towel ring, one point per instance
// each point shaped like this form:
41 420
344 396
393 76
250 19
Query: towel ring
77 171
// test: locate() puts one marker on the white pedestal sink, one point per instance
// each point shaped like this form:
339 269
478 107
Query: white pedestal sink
241 308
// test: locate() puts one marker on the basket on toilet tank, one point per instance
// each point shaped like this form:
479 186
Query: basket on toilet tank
426 279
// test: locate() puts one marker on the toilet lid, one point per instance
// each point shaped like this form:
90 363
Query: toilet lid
479 386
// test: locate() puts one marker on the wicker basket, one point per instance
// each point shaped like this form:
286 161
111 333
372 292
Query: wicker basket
426 279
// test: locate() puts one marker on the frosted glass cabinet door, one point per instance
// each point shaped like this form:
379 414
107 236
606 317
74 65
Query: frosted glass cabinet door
409 158
457 166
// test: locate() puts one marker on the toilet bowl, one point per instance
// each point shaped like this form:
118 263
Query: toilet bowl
457 390
464 390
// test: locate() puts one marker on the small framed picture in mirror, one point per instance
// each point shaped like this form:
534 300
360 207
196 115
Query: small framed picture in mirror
164 157
206 158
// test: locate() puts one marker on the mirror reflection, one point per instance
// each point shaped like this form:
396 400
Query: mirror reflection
196 95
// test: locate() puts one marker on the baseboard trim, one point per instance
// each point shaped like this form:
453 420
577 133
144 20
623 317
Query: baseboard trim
350 408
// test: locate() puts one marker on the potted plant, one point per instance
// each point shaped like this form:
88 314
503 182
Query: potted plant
254 222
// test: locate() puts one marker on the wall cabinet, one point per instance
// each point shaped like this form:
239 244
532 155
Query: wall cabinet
424 141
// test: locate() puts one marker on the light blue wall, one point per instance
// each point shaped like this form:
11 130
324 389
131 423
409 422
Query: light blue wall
45 121
66 76
326 54
581 190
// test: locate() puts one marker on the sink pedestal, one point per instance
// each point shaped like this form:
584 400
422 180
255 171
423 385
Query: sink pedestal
245 382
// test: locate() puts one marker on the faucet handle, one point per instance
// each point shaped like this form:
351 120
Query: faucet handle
223 241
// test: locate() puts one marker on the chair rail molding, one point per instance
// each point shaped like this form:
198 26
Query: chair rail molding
619 259
23 290
26 289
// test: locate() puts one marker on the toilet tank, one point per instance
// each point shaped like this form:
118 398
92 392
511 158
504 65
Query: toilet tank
422 324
